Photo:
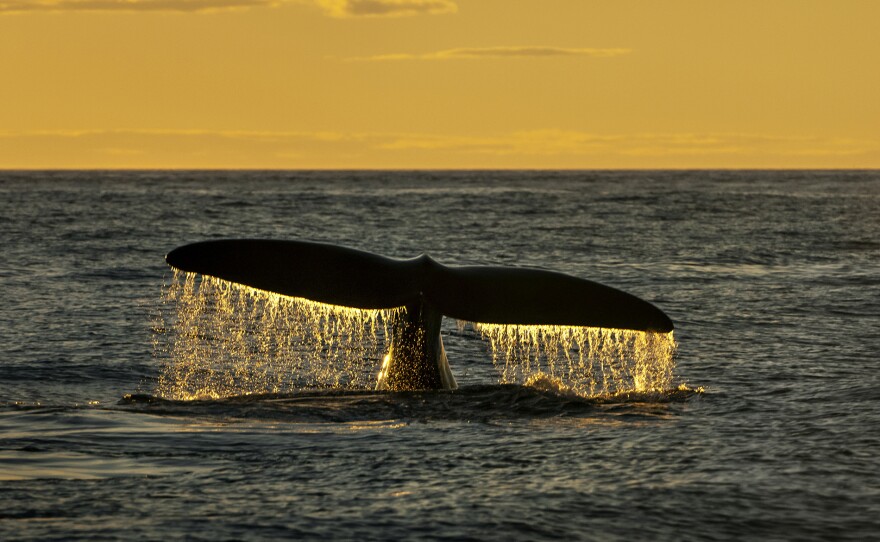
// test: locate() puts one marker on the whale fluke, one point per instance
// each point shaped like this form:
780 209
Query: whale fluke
429 290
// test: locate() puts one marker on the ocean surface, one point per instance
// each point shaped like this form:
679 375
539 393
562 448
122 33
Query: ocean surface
769 431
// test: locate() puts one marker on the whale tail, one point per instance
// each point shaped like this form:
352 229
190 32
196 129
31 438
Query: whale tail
427 289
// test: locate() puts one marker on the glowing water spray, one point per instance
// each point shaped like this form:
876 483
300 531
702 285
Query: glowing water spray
589 361
218 338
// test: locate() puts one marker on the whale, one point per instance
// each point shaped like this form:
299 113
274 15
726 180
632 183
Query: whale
427 291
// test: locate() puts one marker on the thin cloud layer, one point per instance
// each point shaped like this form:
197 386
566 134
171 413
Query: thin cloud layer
387 8
333 8
184 6
534 148
644 145
501 52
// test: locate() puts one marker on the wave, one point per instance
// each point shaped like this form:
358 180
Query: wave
481 403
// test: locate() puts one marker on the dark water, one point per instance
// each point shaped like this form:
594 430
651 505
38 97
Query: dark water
771 278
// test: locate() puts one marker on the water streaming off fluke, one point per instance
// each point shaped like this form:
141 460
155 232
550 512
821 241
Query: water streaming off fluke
219 339
215 338
589 361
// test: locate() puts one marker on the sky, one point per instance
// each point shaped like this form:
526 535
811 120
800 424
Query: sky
439 84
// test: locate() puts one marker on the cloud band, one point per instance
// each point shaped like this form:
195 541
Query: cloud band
500 52
534 148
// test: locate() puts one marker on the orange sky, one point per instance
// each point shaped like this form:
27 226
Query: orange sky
439 84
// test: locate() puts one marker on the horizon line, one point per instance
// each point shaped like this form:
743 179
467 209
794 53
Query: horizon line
451 169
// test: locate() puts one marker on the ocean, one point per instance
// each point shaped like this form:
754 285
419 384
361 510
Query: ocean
770 428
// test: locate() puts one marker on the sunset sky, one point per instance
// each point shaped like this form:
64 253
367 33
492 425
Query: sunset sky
439 84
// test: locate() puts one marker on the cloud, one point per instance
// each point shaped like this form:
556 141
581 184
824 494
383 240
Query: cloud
572 143
333 8
185 6
182 148
386 8
501 52
550 148
533 142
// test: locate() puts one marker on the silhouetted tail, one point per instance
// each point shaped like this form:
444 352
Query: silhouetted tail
354 278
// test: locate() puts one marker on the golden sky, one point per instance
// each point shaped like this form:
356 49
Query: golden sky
439 83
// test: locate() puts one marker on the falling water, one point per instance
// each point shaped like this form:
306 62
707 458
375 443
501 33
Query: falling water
588 361
216 339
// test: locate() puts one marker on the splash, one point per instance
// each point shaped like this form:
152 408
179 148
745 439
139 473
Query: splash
217 339
586 361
